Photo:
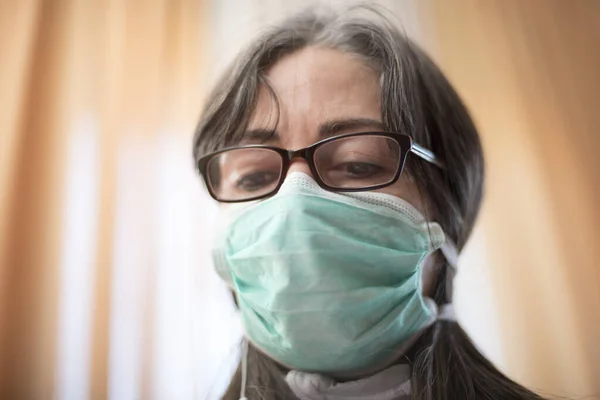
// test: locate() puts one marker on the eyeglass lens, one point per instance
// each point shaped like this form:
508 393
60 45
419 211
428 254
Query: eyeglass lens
354 162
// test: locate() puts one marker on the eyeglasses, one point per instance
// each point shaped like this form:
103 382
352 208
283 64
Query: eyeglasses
345 163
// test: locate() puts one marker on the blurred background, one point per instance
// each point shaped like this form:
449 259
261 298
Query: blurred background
106 284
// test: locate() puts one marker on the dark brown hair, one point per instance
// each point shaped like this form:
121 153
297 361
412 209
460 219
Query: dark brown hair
416 100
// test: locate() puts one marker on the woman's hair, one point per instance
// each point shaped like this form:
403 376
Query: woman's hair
416 99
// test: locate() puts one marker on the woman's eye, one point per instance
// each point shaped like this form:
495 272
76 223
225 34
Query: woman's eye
257 180
361 169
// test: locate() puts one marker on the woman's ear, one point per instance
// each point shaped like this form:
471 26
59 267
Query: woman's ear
432 265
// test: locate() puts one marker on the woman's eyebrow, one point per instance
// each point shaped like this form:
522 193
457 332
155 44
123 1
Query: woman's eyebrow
326 129
260 135
334 127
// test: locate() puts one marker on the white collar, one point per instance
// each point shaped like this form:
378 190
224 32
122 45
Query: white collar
390 384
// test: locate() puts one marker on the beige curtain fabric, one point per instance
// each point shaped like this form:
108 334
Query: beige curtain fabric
530 73
122 71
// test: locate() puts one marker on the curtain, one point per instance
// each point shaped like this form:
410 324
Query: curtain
530 74
98 197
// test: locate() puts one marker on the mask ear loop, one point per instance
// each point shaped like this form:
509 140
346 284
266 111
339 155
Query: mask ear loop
244 368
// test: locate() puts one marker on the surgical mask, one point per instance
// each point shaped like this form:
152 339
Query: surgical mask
329 282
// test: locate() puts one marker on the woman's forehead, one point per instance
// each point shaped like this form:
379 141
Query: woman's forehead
315 85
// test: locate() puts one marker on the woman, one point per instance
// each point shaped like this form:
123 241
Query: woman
356 175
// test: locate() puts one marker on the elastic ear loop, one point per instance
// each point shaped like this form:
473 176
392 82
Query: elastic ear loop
244 368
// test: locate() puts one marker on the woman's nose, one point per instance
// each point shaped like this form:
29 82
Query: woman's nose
299 165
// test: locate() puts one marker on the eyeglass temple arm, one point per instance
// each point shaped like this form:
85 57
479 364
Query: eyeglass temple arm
426 155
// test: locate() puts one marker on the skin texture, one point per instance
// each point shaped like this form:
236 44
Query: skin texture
316 85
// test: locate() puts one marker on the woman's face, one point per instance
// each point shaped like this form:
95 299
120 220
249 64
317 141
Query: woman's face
323 92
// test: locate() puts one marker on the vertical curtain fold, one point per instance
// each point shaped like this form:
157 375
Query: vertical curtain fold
118 73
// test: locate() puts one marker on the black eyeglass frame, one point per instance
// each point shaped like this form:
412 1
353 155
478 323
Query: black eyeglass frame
404 141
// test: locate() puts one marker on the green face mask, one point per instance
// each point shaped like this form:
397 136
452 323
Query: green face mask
329 282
